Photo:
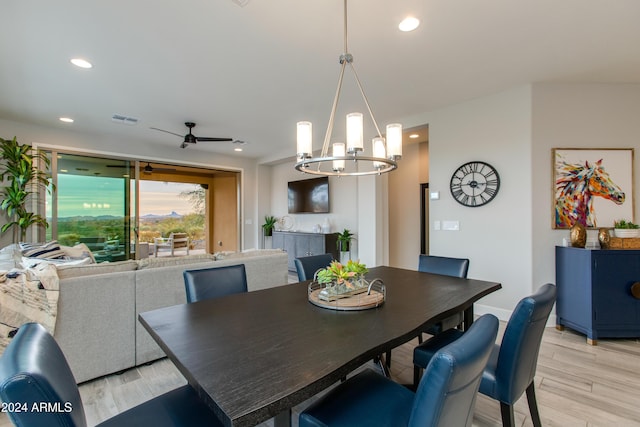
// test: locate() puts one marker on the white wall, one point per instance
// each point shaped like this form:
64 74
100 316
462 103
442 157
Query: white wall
580 116
52 136
497 237
404 209
343 202
511 239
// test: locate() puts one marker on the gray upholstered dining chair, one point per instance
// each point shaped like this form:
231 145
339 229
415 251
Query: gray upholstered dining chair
512 366
308 265
214 282
34 374
445 397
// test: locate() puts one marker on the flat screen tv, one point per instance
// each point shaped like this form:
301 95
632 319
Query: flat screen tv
309 196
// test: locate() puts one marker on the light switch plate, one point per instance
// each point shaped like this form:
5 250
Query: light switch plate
451 225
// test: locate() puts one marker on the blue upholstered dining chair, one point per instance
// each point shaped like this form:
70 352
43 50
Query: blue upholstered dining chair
36 379
446 395
512 365
456 267
214 282
308 265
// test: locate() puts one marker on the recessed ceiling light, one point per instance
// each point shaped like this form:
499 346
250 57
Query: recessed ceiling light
409 24
66 119
414 136
82 63
237 149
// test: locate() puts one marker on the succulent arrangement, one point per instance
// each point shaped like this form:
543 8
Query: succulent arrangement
340 273
625 225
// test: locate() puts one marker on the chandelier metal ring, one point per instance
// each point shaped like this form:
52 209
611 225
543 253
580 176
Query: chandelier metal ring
303 165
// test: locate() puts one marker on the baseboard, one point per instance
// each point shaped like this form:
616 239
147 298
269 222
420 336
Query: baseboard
504 315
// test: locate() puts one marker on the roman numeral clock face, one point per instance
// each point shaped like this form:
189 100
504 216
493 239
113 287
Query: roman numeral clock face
475 184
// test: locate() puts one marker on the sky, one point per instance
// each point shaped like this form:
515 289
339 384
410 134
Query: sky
93 196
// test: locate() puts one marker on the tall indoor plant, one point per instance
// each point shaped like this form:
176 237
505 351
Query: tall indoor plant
22 177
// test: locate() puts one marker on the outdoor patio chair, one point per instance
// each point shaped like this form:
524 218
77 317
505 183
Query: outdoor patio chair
171 243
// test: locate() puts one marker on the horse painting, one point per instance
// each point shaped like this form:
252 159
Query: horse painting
576 186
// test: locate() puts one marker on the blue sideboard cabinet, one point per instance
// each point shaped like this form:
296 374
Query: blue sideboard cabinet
595 293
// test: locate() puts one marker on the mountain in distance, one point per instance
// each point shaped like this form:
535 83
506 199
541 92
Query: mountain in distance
173 214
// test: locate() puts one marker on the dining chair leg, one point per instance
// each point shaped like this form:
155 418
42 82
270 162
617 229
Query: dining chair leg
388 359
416 376
506 411
533 405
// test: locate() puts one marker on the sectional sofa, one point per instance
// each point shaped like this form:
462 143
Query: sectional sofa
97 323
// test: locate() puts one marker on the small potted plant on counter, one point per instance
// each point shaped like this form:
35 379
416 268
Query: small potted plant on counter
344 240
269 225
624 228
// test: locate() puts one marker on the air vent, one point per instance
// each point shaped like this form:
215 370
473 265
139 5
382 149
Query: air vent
241 3
125 120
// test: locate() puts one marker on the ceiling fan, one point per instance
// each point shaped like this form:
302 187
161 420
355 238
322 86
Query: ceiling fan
148 169
190 138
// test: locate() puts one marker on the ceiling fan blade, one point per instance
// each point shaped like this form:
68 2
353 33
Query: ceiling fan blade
162 130
204 138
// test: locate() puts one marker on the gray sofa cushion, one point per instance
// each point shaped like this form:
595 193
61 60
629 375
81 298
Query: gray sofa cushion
68 271
95 326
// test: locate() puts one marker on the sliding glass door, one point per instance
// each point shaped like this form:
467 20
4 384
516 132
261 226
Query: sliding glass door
95 204
97 201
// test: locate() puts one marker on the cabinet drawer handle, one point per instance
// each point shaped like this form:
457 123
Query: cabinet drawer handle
635 290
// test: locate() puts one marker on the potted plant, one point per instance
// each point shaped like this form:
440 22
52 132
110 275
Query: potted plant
342 279
344 240
22 177
269 224
624 228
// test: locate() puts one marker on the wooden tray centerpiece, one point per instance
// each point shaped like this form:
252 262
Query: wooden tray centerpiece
344 287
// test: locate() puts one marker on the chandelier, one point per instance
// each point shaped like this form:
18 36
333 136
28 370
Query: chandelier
386 150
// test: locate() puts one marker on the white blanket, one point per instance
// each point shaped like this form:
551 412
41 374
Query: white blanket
30 297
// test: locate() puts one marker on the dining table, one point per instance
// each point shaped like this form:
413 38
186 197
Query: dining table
253 356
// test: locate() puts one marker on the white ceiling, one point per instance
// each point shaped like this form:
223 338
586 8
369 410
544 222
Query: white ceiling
252 72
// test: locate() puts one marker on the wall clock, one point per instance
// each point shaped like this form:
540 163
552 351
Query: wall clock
475 184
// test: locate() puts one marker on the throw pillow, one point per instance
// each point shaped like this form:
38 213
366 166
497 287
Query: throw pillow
38 250
78 251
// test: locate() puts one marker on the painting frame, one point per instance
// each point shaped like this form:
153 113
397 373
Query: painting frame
616 178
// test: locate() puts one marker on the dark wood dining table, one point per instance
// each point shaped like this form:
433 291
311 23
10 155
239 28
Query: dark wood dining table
254 356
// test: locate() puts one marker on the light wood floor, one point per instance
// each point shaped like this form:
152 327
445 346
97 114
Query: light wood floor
577 385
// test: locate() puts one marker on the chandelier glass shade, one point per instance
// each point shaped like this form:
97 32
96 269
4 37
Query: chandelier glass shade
386 150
